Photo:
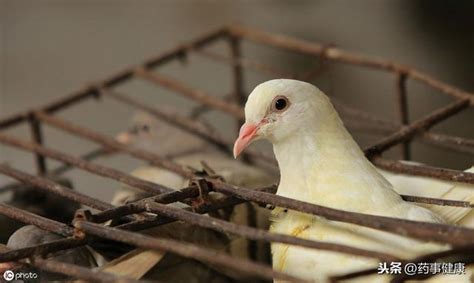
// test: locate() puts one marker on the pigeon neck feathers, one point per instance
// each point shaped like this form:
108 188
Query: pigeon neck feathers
321 163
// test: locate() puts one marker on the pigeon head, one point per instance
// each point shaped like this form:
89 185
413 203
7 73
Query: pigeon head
143 127
278 109
160 137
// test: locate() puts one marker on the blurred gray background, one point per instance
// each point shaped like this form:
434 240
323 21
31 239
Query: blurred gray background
52 48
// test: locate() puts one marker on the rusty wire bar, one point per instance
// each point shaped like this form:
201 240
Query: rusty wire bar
451 142
339 55
313 72
239 98
260 67
427 171
184 249
34 219
245 63
101 170
12 120
361 120
42 249
64 102
37 137
137 206
422 124
437 201
89 156
403 110
53 187
238 77
51 107
195 44
197 95
359 114
451 139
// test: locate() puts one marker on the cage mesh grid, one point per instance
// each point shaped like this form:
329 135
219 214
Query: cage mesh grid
87 225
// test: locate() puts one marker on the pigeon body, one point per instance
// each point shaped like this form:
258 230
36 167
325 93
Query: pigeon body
320 163
434 188
39 202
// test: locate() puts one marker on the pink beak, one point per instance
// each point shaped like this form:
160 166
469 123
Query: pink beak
246 135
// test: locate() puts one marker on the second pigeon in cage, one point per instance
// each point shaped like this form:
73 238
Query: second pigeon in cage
31 235
35 200
147 132
321 163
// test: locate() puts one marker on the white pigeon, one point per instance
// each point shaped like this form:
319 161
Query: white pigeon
321 163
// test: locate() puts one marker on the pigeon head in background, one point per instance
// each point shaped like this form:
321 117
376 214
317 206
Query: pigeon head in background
152 134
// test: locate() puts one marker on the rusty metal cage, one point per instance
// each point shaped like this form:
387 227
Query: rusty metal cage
88 226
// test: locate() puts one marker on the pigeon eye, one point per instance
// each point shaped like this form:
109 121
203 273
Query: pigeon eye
280 103
145 128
